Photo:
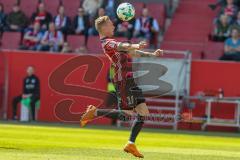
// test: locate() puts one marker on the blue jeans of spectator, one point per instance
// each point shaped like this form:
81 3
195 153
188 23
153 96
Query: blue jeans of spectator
231 56
54 48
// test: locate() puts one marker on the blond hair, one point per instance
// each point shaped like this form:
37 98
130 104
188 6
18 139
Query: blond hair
100 21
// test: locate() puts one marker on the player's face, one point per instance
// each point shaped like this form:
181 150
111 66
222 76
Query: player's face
145 12
101 12
37 26
41 7
30 70
235 33
109 29
52 27
61 10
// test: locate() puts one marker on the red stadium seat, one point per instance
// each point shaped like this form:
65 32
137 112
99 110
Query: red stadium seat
191 23
188 33
158 11
213 50
195 48
29 6
138 7
94 45
11 40
8 4
71 7
52 6
75 41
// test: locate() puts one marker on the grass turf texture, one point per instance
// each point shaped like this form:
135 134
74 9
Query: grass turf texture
60 142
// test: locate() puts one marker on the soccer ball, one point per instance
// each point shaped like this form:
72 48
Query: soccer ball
125 11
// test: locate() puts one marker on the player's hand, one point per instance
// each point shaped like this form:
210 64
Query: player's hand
142 45
158 52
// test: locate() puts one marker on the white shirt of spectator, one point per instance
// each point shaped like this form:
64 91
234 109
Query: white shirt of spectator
91 6
54 38
80 26
138 26
60 22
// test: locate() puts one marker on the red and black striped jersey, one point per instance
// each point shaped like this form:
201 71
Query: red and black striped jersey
118 59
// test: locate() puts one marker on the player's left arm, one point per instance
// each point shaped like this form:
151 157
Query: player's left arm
136 49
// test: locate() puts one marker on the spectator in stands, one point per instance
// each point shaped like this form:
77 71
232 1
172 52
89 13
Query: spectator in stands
125 29
82 24
32 38
237 2
222 29
110 7
42 16
237 21
91 6
222 3
146 27
16 20
230 9
232 47
31 88
62 22
101 12
2 20
52 39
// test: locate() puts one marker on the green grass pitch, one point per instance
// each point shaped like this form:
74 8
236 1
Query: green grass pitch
63 142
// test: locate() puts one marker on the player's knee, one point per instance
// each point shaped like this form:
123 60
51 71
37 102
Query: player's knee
142 110
144 113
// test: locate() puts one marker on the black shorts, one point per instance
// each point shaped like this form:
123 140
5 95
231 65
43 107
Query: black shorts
129 94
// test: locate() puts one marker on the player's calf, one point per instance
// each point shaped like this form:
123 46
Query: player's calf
92 112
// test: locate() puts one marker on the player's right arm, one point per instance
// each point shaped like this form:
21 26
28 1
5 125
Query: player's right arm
125 46
136 49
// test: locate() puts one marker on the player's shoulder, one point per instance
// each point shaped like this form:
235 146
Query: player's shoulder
107 40
109 43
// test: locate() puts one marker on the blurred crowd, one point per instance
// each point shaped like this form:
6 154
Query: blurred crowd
45 32
227 28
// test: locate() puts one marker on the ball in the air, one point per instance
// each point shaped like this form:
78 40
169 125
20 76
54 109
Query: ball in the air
125 11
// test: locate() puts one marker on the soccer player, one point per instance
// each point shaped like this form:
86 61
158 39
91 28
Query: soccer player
132 100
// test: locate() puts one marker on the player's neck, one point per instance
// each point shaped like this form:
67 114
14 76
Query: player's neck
104 36
101 36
